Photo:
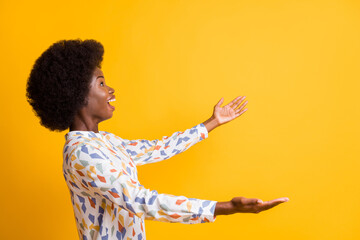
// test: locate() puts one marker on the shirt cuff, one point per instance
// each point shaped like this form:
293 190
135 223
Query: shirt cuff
206 210
202 131
212 216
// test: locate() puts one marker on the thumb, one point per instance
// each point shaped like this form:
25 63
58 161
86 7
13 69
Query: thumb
220 102
252 201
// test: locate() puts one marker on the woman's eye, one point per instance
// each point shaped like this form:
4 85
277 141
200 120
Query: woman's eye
102 84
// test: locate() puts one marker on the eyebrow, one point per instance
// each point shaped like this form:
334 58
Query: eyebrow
99 77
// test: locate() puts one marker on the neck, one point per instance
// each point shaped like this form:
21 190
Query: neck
82 123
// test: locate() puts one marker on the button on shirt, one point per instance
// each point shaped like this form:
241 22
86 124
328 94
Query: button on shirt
107 198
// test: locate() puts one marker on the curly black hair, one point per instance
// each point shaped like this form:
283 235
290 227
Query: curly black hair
59 81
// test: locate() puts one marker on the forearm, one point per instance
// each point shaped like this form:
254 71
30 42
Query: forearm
224 208
210 124
144 151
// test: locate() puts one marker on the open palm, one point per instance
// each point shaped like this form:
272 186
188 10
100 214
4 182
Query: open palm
230 111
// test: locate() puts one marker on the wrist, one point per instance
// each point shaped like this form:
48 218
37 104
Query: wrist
211 123
224 208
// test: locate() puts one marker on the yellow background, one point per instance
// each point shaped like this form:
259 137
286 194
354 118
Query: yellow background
170 62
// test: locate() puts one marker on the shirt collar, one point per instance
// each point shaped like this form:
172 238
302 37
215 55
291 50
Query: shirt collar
80 134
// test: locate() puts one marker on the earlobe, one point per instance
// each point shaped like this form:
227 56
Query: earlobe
86 101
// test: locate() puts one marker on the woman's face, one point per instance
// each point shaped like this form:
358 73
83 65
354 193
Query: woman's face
98 107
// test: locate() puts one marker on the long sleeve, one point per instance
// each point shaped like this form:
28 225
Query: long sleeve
99 174
144 151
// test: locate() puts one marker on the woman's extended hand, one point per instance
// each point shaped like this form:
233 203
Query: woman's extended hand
226 113
246 205
230 111
254 205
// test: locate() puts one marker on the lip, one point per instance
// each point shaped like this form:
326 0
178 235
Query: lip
111 98
110 106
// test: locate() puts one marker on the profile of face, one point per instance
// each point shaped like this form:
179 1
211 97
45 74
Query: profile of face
100 95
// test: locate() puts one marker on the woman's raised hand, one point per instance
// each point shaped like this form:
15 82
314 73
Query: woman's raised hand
226 113
230 111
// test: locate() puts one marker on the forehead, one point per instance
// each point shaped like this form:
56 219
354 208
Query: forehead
98 72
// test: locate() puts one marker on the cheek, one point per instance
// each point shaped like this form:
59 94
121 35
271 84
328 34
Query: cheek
98 102
95 104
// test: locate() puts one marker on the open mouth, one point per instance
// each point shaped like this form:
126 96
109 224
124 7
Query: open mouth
111 100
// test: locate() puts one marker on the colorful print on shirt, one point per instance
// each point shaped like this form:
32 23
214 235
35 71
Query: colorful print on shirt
107 198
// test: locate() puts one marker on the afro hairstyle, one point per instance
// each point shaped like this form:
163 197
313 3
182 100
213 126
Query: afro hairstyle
59 81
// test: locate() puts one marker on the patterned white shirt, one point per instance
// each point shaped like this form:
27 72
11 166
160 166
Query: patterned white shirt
108 200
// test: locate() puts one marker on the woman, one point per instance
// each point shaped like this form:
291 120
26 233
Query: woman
67 90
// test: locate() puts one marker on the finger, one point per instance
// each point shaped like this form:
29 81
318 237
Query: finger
238 114
220 102
242 106
237 103
272 203
231 104
277 201
233 101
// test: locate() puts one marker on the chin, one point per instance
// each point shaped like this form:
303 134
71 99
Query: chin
110 116
107 117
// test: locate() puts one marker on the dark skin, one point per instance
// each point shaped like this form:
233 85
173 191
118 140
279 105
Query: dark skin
98 109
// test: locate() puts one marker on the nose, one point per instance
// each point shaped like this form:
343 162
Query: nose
111 90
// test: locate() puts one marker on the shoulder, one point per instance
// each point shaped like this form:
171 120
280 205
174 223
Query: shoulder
105 133
83 145
117 140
